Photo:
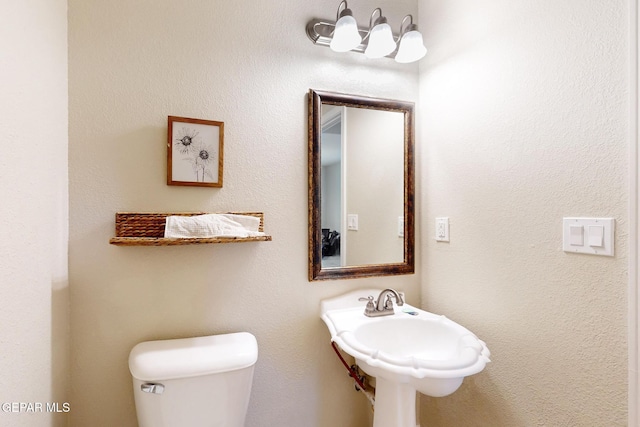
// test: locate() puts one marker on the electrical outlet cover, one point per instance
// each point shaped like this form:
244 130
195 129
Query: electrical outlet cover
442 229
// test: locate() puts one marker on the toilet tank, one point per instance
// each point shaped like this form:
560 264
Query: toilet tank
195 382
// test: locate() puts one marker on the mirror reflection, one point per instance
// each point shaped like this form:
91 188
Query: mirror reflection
361 186
362 175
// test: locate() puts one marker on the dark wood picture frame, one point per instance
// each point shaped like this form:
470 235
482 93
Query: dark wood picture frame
194 152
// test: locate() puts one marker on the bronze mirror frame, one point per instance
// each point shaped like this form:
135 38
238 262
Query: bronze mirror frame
315 100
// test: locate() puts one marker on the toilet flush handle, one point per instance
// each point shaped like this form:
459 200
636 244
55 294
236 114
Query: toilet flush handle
152 388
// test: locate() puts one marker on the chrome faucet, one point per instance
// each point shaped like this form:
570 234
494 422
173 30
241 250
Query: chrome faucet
384 305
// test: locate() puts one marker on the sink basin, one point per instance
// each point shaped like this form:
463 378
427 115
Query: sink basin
411 350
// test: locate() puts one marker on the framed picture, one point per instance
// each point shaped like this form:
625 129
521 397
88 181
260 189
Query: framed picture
194 152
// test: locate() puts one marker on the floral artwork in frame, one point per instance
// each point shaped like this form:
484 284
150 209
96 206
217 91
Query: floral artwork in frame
194 152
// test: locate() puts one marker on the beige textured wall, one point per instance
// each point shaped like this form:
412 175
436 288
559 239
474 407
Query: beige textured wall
524 110
250 65
34 210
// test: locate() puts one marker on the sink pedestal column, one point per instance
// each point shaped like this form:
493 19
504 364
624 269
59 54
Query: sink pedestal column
395 404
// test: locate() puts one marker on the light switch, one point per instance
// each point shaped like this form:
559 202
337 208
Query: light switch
596 236
352 222
576 236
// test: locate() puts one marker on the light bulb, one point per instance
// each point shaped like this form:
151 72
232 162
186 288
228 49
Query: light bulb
346 35
411 47
380 41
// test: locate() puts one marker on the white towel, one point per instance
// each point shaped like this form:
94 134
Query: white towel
212 225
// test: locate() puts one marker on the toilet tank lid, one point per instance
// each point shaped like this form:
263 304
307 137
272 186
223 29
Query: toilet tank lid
190 357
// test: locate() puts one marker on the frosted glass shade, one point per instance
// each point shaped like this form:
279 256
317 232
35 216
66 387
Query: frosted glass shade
411 47
346 35
380 41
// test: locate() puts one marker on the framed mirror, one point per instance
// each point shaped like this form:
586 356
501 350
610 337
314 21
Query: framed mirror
361 186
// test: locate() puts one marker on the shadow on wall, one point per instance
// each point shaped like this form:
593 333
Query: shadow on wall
336 384
471 398
60 351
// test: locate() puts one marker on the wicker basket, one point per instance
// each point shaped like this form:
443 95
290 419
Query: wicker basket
147 229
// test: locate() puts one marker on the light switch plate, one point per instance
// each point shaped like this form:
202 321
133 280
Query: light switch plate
598 236
352 222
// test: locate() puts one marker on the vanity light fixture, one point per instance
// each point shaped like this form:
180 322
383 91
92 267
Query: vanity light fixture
377 41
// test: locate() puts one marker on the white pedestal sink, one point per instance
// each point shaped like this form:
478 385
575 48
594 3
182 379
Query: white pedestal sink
406 353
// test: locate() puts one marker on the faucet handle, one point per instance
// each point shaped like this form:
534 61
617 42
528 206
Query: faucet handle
388 303
370 308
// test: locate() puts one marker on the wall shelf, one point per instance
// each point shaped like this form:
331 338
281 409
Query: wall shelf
147 229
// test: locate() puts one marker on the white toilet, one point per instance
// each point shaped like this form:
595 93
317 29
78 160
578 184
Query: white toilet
195 382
